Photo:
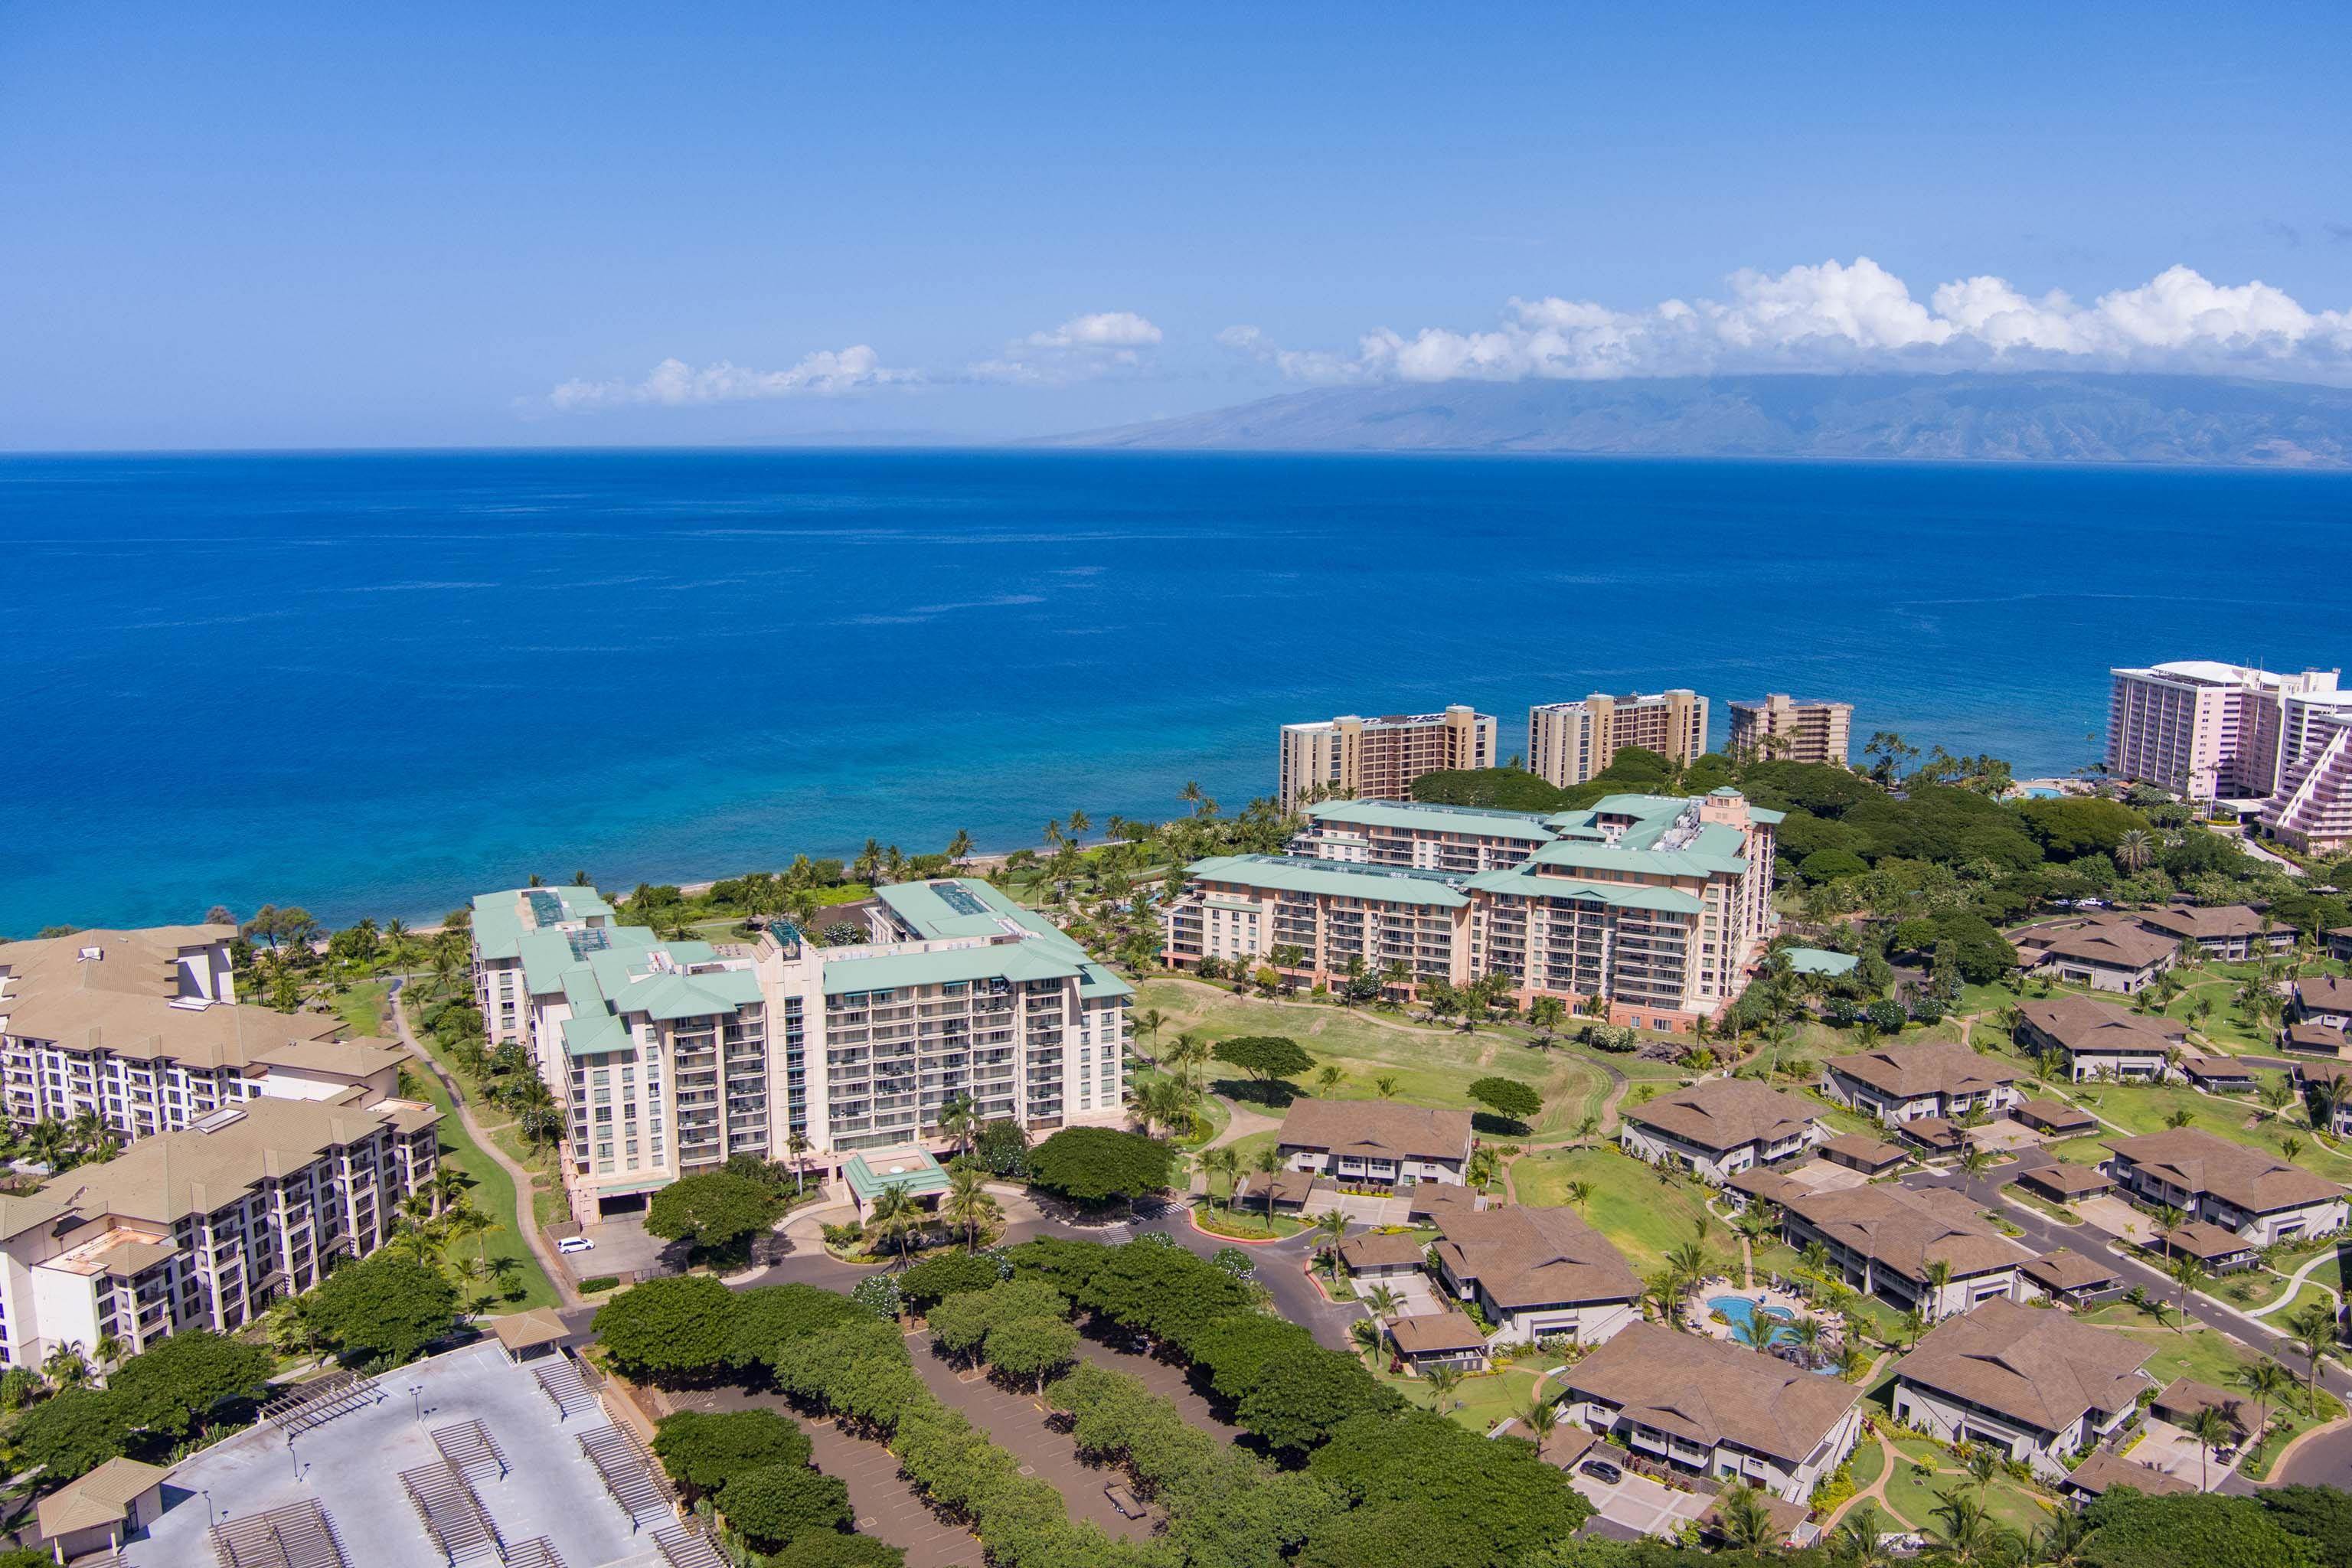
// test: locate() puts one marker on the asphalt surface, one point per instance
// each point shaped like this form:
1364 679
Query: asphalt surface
2322 1460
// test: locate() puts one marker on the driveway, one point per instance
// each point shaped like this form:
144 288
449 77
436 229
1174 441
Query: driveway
2168 1448
2111 1214
1638 1503
2004 1134
1367 1211
1823 1177
620 1245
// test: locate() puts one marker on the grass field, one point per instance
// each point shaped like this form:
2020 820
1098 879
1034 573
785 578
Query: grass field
1431 1067
1643 1219
1478 1403
2208 1357
2014 1505
493 1192
2147 1107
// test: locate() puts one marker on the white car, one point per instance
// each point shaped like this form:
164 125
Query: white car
574 1244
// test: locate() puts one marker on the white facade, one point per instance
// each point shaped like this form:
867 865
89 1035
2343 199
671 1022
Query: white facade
2209 730
1791 1479
1656 1145
1955 1421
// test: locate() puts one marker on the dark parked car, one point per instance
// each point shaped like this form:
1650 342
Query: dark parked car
1603 1470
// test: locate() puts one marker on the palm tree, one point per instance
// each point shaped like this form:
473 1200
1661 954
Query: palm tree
449 1184
796 1148
1547 1013
2212 1430
65 1365
2266 1380
1856 1541
1938 1275
959 1120
1224 1161
2187 1272
1265 1162
1330 1230
1443 1381
1807 1335
1968 1532
1578 1194
1690 1264
1150 1022
1328 1076
1387 1085
1365 1333
1975 1161
1381 1300
2313 1330
895 1217
960 846
967 1204
1746 1524
1540 1417
2058 1543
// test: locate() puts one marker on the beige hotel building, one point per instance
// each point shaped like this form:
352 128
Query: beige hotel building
1659 906
1568 742
1378 759
1782 729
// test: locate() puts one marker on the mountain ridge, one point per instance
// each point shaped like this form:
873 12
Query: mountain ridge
2053 416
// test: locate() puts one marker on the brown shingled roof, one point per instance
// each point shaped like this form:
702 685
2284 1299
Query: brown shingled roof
1378 1129
2087 1023
2105 1470
1905 1229
2053 1116
1937 1066
2039 1367
2204 1240
2324 993
2118 946
1434 1333
2065 1269
2202 1162
2065 1180
1376 1250
1708 1391
1871 1152
1725 1113
1534 1256
2205 924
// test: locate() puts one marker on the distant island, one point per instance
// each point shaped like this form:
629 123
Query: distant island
2050 418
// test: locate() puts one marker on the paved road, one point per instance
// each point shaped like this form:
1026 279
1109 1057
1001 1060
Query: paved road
2322 1460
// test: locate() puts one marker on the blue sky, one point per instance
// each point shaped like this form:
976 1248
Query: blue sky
265 225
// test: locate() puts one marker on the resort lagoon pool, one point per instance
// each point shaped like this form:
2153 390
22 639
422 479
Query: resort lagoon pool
1742 1311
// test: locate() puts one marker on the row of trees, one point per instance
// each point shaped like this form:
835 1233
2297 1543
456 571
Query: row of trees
754 1466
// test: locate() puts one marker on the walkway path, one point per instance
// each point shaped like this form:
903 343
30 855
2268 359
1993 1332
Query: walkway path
1876 1492
2295 1287
526 1219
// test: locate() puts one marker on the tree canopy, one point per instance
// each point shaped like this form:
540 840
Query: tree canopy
715 1210
780 1503
1099 1164
703 1450
386 1306
1268 1058
1507 1098
2208 1530
676 1324
176 1382
1298 1399
764 1320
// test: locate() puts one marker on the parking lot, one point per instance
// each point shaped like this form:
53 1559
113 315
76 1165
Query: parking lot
1638 1503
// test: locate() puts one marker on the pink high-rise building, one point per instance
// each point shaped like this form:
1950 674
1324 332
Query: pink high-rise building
2209 730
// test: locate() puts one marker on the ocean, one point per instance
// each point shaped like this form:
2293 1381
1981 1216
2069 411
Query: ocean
376 683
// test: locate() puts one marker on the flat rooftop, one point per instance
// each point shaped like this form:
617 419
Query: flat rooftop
350 1465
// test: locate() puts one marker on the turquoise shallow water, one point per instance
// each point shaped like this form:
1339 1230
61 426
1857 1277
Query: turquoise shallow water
377 683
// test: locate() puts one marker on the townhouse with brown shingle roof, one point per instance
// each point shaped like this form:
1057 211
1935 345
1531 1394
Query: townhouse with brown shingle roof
2034 1384
2105 956
2230 933
2102 1040
1709 1407
1905 1083
2256 1195
1537 1273
1716 1129
1883 1240
1374 1142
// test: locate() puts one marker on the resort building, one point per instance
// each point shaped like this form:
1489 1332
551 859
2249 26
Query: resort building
1568 742
2226 933
2102 1040
2209 730
1720 1127
203 1226
670 1058
1781 728
1537 1274
1942 1079
1462 840
499 928
1709 1407
1374 1142
2116 955
1887 1240
1659 905
142 1030
2313 808
2039 1386
1378 759
2240 1189
2322 999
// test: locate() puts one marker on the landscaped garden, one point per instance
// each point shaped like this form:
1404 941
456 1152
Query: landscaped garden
1622 1198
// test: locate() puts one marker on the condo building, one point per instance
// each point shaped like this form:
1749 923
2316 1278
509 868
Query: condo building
1658 905
2209 730
142 1029
1568 742
1462 839
2313 808
203 1226
1783 729
1378 759
499 923
670 1058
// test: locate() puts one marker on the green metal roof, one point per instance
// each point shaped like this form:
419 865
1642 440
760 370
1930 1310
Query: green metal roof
942 908
1588 856
945 966
498 916
1529 883
1820 960
1302 874
1527 826
915 1171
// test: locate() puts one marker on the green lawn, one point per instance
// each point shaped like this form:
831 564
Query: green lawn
362 1006
2147 1108
1430 1066
493 1192
2010 1502
2208 1357
1478 1403
1629 1205
1868 1463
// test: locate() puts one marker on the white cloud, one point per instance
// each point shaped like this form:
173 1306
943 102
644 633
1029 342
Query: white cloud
1839 316
1105 329
675 384
1081 349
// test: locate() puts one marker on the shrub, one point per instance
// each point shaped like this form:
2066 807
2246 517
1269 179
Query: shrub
676 1325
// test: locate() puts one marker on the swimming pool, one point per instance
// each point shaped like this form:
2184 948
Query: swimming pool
1742 1309
2044 792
